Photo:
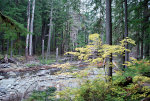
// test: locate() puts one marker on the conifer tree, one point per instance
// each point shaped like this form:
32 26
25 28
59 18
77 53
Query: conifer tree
109 31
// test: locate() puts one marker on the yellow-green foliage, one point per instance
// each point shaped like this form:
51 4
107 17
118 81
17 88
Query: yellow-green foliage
89 90
141 67
141 79
100 90
104 51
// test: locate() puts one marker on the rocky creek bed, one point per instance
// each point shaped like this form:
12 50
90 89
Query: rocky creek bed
20 82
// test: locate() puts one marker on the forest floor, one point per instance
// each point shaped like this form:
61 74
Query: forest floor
24 77
35 64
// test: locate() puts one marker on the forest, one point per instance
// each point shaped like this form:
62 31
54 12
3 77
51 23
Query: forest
74 50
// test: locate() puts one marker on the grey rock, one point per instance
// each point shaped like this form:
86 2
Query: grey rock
6 83
3 91
2 77
61 77
34 75
70 76
43 72
27 74
52 77
13 65
5 66
11 74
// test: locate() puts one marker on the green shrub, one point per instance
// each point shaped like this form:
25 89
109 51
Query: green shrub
99 90
47 61
46 95
141 67
31 65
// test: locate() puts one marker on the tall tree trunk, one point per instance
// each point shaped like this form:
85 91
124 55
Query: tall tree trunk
68 29
138 36
142 46
142 35
50 30
43 49
35 44
62 43
43 40
0 46
145 27
11 52
7 47
126 32
138 46
57 54
109 31
122 29
19 51
3 47
28 28
31 29
53 39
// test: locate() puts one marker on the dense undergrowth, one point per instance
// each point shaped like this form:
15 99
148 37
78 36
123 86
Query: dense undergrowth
46 95
119 89
129 84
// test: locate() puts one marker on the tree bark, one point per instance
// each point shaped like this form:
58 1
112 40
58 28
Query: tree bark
3 47
142 36
138 36
35 41
68 32
11 52
145 27
109 31
62 44
50 30
43 39
53 39
28 26
122 26
126 32
31 29
7 46
142 46
43 49
57 54
138 46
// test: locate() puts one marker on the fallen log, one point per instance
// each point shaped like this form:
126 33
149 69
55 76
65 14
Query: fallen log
36 68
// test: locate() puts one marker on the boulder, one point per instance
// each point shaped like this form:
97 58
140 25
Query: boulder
8 65
61 77
3 91
13 65
11 74
5 66
43 72
2 77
